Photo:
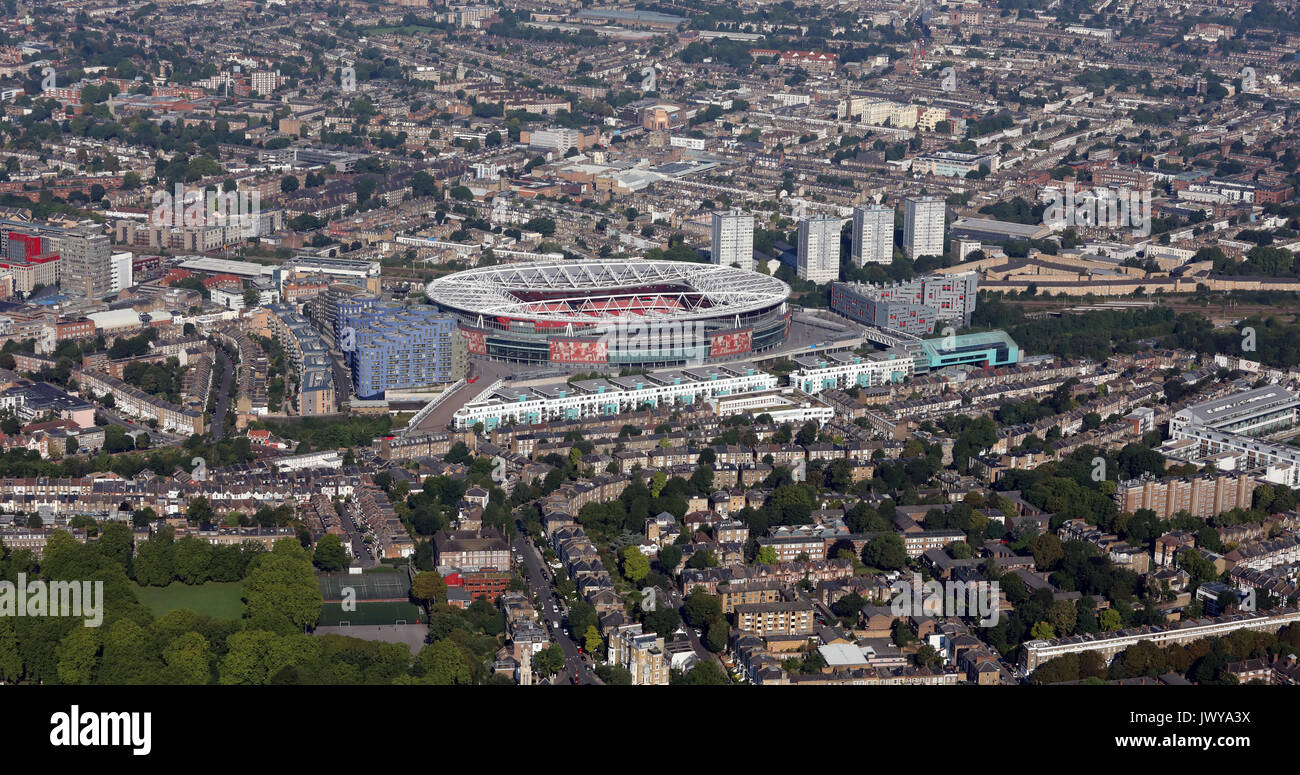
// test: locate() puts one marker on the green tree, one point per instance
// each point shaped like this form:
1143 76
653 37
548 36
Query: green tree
701 608
429 588
548 661
669 558
443 664
249 658
11 660
192 560
128 657
188 660
154 561
635 564
78 655
592 641
330 554
705 673
280 593
885 551
613 675
199 511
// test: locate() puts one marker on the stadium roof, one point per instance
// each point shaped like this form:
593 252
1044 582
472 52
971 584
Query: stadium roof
590 291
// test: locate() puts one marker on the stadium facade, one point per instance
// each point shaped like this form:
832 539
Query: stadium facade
618 313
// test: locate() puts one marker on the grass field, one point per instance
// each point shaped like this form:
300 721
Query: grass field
218 599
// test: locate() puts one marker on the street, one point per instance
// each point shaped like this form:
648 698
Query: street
538 584
360 550
156 437
223 395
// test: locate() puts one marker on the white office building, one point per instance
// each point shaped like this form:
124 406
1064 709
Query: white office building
1256 412
733 239
558 139
873 235
819 249
121 268
923 226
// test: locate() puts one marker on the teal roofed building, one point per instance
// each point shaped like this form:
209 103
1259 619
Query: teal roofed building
987 348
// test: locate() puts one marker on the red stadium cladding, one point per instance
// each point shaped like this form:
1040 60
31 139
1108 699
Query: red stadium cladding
731 342
579 351
475 341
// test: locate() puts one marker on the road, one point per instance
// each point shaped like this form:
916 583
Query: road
223 395
360 551
156 437
701 651
342 377
540 585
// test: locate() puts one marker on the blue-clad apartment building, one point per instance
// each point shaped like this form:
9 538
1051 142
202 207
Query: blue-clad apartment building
396 347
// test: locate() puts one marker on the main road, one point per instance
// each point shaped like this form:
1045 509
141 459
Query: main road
540 586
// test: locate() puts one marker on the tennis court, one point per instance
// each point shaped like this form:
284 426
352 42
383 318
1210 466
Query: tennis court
368 587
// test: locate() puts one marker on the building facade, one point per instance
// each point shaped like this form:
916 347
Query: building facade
873 235
733 239
819 249
923 219
394 347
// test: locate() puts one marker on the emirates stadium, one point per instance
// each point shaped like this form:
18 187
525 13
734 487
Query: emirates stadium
622 313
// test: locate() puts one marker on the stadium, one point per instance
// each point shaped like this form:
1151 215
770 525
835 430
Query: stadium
623 313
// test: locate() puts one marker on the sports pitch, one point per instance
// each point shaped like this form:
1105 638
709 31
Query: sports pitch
365 587
332 614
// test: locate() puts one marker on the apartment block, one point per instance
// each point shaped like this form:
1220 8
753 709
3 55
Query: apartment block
923 222
873 235
794 617
733 239
641 654
819 249
1200 496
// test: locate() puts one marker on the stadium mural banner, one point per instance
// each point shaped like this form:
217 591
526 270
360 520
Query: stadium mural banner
731 342
475 341
579 351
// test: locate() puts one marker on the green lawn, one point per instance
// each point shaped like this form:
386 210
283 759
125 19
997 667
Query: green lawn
219 599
